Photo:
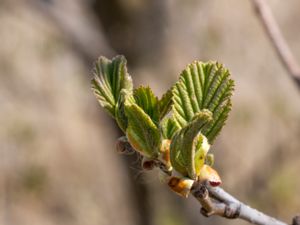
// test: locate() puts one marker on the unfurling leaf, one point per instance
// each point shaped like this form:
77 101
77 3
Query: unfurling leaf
165 104
142 132
120 114
110 77
188 148
199 103
169 127
202 148
203 86
145 98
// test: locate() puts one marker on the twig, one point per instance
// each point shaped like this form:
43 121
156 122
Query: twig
245 212
272 29
215 200
210 207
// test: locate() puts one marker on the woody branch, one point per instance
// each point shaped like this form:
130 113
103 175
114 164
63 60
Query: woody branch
272 29
214 200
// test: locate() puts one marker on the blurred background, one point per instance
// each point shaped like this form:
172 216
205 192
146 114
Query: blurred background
58 164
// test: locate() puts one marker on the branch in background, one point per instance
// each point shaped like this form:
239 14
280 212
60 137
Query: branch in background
272 29
79 27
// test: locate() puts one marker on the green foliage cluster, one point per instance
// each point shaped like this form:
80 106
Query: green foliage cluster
190 114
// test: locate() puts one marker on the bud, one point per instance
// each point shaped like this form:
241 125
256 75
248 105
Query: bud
181 186
148 164
207 173
123 146
164 156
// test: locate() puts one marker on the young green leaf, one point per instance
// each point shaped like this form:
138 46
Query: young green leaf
120 114
110 77
169 127
202 148
142 133
203 86
145 98
185 145
165 104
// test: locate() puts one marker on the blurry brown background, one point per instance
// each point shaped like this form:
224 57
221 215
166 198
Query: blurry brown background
58 164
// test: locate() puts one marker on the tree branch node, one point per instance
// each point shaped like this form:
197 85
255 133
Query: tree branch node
232 211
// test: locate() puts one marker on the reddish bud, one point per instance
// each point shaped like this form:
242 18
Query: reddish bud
207 173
